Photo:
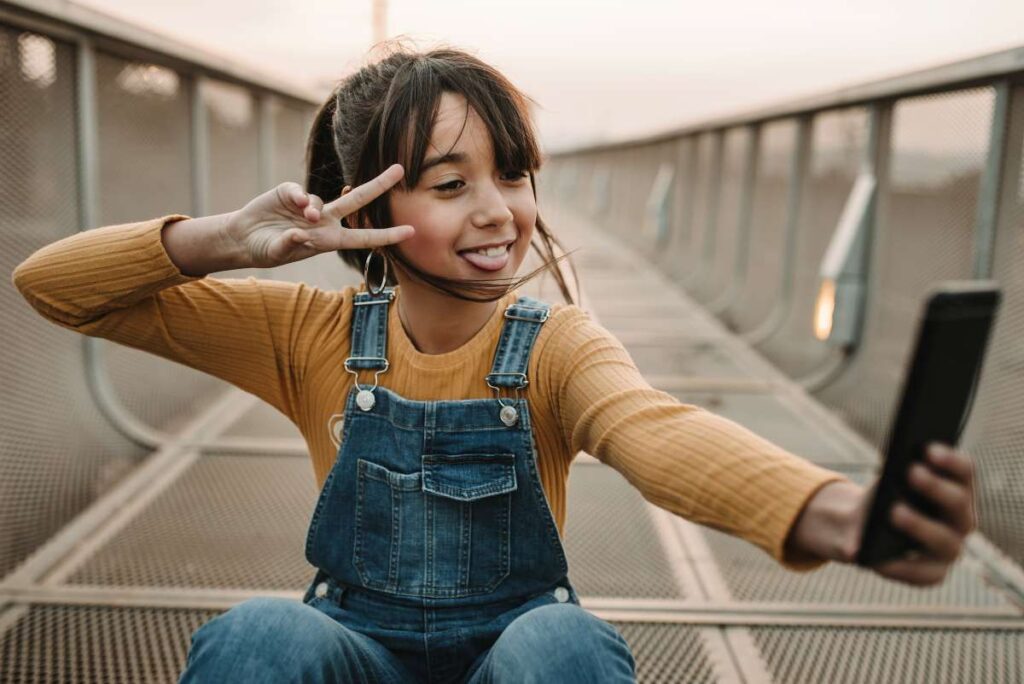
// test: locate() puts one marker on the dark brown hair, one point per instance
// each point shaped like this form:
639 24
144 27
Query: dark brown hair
384 113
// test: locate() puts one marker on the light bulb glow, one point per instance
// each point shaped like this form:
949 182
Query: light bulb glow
824 309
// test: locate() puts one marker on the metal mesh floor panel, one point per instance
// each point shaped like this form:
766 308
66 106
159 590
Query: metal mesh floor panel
230 521
611 542
753 576
101 645
667 653
774 420
884 656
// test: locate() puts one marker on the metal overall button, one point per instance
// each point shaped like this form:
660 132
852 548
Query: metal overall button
321 590
508 415
561 594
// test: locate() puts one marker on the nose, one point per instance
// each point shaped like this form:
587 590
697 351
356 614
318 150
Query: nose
492 209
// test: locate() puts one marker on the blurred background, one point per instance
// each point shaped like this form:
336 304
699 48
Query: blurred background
761 196
605 69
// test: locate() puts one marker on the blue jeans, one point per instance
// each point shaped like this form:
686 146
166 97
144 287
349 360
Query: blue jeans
280 640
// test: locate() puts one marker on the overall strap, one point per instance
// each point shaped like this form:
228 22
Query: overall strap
369 331
512 357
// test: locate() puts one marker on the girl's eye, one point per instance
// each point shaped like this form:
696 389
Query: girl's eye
452 186
448 187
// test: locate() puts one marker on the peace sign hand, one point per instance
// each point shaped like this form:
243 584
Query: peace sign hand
287 224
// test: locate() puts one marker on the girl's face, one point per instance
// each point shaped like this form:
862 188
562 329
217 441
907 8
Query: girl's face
473 221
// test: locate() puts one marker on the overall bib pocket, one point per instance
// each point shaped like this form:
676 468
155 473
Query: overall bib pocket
443 532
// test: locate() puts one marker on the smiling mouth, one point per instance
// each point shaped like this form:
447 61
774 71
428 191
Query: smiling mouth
490 259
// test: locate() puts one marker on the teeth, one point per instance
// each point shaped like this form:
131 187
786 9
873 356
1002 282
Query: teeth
493 251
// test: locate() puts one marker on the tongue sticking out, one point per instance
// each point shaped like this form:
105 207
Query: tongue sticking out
486 263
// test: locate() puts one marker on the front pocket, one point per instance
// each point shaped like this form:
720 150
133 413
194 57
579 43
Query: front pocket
468 508
442 532
468 477
389 511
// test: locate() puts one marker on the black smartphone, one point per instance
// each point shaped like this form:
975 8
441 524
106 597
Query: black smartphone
938 392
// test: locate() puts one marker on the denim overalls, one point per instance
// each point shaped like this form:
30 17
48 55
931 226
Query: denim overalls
431 535
433 520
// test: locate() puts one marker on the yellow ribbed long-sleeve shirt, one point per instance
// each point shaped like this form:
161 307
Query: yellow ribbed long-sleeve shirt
286 342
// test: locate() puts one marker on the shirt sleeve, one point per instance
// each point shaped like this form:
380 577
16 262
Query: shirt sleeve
118 283
681 457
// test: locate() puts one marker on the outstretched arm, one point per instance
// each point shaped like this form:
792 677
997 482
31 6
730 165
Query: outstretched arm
681 457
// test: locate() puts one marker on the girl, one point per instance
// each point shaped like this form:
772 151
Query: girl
436 536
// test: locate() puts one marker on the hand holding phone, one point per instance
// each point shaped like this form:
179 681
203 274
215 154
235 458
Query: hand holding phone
937 395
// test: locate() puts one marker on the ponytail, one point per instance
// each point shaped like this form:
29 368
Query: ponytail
324 176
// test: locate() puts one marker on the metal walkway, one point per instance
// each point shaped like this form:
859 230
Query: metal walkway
220 515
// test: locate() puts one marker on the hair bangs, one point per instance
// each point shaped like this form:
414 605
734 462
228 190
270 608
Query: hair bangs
409 113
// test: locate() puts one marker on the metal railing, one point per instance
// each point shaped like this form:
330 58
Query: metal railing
105 123
754 206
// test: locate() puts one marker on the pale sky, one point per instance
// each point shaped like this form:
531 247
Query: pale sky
609 69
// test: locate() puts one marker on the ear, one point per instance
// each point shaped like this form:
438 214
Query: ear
344 191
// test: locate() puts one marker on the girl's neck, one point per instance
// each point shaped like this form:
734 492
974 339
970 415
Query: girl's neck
436 323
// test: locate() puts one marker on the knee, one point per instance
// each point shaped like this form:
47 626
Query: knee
563 642
256 621
261 635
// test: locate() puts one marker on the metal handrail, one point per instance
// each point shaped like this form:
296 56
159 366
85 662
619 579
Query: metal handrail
67 20
981 70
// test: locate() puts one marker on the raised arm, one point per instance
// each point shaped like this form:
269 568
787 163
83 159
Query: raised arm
145 285
119 283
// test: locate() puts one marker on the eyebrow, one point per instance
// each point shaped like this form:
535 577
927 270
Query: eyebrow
449 158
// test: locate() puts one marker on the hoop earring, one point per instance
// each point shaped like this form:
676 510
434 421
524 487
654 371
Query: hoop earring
366 274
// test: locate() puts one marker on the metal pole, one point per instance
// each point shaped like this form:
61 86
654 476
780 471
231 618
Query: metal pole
199 142
750 162
798 174
991 183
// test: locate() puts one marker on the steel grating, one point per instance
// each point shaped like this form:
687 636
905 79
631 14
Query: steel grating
883 656
100 645
667 653
612 545
752 576
995 433
776 421
228 522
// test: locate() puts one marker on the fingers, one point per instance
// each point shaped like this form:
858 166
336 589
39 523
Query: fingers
952 461
314 209
364 194
940 541
371 238
294 198
952 496
919 571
